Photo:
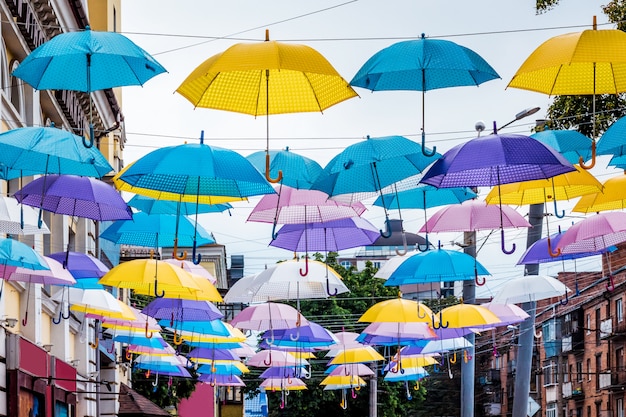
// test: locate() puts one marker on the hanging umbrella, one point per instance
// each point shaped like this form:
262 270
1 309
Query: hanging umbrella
81 265
177 309
87 61
268 316
49 150
572 144
594 233
439 265
467 315
202 332
473 215
156 231
529 288
193 268
154 206
310 335
424 196
423 65
397 310
543 251
283 384
298 371
239 292
16 219
350 369
222 380
298 171
148 275
611 197
266 78
207 171
265 358
582 63
440 345
507 313
18 254
389 334
561 187
612 141
357 355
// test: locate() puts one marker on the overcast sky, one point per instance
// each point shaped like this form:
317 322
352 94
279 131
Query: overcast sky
182 35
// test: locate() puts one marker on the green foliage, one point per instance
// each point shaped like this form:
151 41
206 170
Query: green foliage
163 394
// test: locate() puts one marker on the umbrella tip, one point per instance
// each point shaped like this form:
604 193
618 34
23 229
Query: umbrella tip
267 35
595 23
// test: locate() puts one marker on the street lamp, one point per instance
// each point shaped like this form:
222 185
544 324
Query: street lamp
524 113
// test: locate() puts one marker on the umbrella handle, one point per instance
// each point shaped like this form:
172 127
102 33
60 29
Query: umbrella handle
504 250
553 254
328 289
112 350
353 393
148 334
306 267
419 315
88 143
610 286
56 320
556 211
267 171
96 341
182 256
40 219
563 303
419 247
25 319
386 234
178 340
296 337
156 380
196 259
581 161
266 362
274 234
453 359
466 356
538 334
440 325
69 313
343 403
424 152
408 392
147 374
156 293
129 355
478 281
416 387
404 244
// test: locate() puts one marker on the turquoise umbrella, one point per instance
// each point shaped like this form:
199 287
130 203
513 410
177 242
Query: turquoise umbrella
153 206
298 171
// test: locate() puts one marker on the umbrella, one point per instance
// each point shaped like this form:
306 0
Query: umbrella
310 335
153 206
387 333
511 158
201 331
298 171
283 384
365 168
145 275
436 266
265 358
472 215
331 236
207 171
15 219
397 310
286 281
222 380
157 230
49 150
293 206
266 78
423 65
285 372
359 369
589 62
268 316
572 144
356 355
177 310
612 140
542 251
561 187
467 315
424 196
507 313
441 345
87 61
529 288
193 268
611 197
81 265
239 292
18 254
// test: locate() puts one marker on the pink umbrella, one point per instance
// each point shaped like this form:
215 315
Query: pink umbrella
268 316
270 357
282 384
507 313
472 215
413 330
359 369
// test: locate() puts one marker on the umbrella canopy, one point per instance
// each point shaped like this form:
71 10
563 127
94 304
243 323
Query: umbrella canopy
284 372
148 275
311 334
298 171
440 345
265 358
356 355
612 140
48 150
222 380
156 231
81 265
84 61
397 310
436 266
268 316
611 197
331 236
75 196
94 301
15 253
283 384
507 313
422 65
467 315
424 196
542 251
182 310
572 144
294 280
153 206
56 275
15 219
359 369
189 266
594 233
529 288
206 291
396 333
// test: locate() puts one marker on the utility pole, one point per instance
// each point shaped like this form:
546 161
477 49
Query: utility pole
527 327
468 368
374 391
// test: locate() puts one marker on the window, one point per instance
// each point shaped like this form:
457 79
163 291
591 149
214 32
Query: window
551 410
598 369
17 90
619 407
579 371
550 373
588 325
597 327
567 375
619 310
346 264
619 359
588 369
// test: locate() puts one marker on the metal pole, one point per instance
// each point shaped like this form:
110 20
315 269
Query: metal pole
374 391
468 368
527 327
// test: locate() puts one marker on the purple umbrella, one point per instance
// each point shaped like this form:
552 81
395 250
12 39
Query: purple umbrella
182 310
285 372
332 236
494 160
542 251
213 354
222 380
81 265
308 335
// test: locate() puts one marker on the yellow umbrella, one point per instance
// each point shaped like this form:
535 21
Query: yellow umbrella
562 187
467 316
397 310
346 380
139 320
146 276
206 291
416 361
583 63
356 355
612 197
163 195
266 78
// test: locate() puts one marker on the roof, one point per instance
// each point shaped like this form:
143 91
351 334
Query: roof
133 404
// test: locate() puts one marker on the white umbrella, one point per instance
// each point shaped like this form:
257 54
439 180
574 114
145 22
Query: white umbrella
240 291
530 288
18 219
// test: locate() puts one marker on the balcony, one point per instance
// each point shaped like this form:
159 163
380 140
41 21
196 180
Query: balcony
606 328
572 389
619 330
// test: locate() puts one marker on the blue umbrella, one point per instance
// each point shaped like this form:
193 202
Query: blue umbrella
423 65
153 206
81 265
219 369
309 335
156 230
201 327
612 141
15 253
87 61
48 150
298 171
573 145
